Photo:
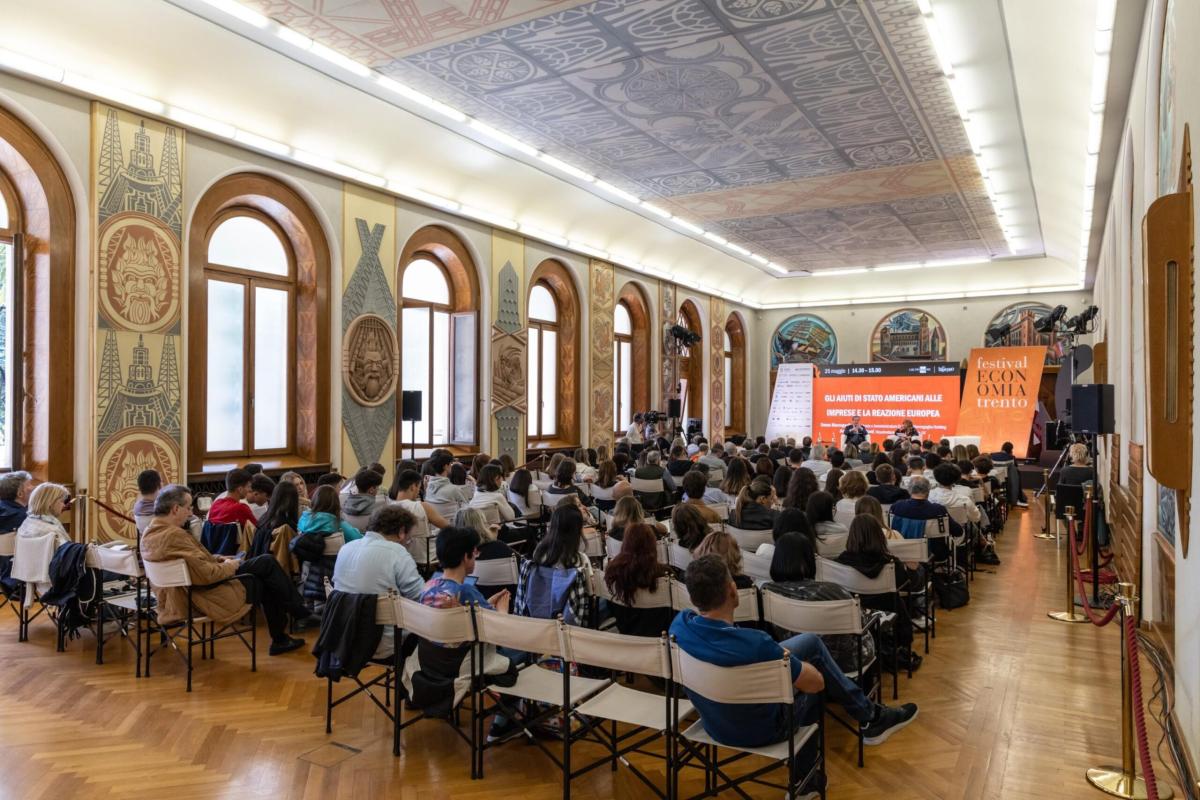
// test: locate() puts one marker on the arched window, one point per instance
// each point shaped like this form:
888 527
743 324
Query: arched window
258 344
11 240
438 340
631 357
250 280
735 375
622 367
37 238
552 308
691 362
542 382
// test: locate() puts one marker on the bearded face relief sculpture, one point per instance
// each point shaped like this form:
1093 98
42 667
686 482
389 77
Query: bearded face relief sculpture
138 276
138 280
370 360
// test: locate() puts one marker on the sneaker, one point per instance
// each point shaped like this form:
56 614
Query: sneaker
501 729
888 721
286 646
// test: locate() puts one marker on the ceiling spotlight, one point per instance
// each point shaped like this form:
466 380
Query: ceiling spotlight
1046 324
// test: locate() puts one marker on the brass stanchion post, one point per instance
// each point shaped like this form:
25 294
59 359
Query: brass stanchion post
1123 781
81 509
1047 512
1069 615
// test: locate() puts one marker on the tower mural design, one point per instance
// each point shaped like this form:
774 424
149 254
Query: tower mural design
510 344
908 334
603 291
137 196
717 413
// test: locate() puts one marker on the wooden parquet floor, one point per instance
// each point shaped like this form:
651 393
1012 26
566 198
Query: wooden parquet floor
1013 705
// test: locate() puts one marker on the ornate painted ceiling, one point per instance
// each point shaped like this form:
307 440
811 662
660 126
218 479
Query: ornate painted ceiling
818 133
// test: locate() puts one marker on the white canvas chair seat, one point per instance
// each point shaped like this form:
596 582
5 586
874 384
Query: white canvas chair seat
659 598
601 493
832 546
611 547
114 557
678 556
776 752
554 500
722 510
911 550
843 517
31 558
757 567
592 543
449 626
359 521
140 521
852 580
543 482
334 543
750 540
648 485
496 571
747 610
446 509
716 477
822 617
8 544
631 707
543 686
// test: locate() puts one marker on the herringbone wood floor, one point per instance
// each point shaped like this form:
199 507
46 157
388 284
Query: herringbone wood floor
1013 705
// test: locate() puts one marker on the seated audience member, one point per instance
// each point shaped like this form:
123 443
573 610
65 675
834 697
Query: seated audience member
331 479
585 472
559 550
379 562
490 548
833 480
695 484
959 451
867 552
949 495
440 489
46 506
636 569
651 471
406 492
297 480
564 482
679 463
983 468
278 525
853 457
907 430
608 476
478 462
820 515
259 494
324 516
461 478
1005 455
737 477
931 462
262 581
710 635
366 497
148 483
873 508
627 512
837 459
851 486
790 520
801 486
754 509
254 468
793 574
490 496
15 488
817 461
456 549
918 508
231 508
688 527
709 459
1079 471
523 494
725 547
781 479
885 490
916 469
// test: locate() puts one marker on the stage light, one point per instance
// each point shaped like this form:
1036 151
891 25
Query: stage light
995 334
1046 324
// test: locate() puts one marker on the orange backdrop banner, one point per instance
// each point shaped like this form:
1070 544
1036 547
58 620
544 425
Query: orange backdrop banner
1000 396
883 395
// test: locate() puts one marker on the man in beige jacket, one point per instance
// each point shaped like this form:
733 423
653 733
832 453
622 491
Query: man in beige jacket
223 588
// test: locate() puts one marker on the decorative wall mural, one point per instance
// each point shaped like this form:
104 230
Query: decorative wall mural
1168 165
137 186
370 350
806 130
370 360
510 348
716 388
804 338
668 377
1022 317
603 301
908 334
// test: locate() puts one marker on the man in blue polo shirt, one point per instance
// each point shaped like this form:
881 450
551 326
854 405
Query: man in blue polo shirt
710 635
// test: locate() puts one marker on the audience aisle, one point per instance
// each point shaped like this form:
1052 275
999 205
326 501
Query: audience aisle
1013 705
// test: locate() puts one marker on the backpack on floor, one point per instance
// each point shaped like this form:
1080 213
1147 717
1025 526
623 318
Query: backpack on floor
951 589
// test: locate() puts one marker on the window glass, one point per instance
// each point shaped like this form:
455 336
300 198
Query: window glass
621 321
728 343
728 389
414 337
541 304
424 280
7 357
531 382
549 383
270 369
441 378
226 368
3 211
464 378
626 394
248 243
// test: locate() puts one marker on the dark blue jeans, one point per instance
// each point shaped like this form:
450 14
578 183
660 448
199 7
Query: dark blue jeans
809 648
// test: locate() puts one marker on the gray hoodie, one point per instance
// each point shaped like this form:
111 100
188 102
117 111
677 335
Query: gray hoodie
441 490
359 505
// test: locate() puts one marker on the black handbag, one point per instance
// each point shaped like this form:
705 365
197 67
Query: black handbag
307 546
951 589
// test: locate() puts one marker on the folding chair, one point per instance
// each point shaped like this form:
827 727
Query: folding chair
358 521
8 549
387 614
221 538
448 627
553 500
746 611
648 715
117 601
917 551
497 572
768 682
651 492
757 567
967 540
843 517
750 540
826 618
678 556
198 630
611 547
831 545
722 510
856 583
603 497
31 566
659 598
445 508
560 694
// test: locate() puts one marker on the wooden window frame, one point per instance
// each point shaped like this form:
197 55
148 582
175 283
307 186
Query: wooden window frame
13 235
250 280
633 297
689 317
541 326
618 340
289 216
735 415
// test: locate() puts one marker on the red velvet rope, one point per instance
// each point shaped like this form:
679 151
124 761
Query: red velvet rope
1074 567
113 511
1139 715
